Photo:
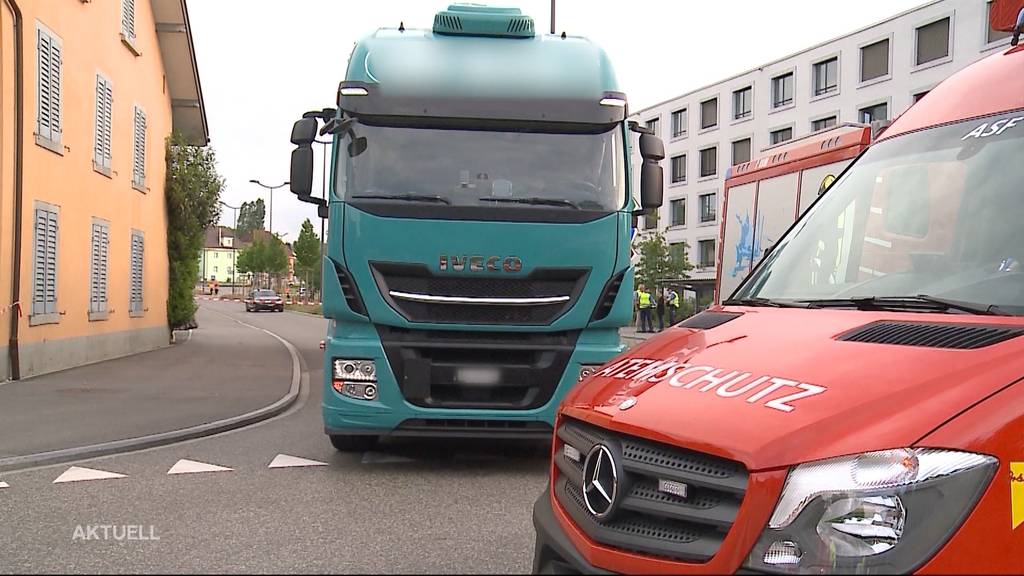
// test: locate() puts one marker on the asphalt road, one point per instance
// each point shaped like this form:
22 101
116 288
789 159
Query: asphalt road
422 507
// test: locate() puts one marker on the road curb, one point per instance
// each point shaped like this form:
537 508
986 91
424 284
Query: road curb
165 438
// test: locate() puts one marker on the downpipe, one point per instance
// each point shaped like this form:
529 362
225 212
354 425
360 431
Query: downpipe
19 107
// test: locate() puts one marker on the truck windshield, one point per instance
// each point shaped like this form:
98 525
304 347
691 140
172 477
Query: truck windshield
463 167
936 213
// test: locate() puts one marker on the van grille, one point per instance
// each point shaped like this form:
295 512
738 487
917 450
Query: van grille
647 520
932 335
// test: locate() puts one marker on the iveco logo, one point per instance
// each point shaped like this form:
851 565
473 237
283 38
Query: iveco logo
600 481
481 263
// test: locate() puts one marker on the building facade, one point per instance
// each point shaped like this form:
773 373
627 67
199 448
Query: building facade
90 91
872 74
218 261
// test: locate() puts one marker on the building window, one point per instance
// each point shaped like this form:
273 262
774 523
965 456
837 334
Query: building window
932 42
994 35
742 103
782 90
128 21
651 221
709 162
919 95
708 207
98 270
136 285
104 118
709 114
707 253
823 123
44 265
741 151
679 169
781 135
679 121
139 151
678 208
652 125
876 113
48 90
677 250
874 60
826 76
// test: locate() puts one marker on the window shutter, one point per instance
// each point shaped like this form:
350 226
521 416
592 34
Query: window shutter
104 120
49 90
139 161
932 41
51 262
136 272
39 264
874 61
128 19
98 286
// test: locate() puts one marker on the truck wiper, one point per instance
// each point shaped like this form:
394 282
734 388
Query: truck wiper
765 302
533 200
921 302
406 197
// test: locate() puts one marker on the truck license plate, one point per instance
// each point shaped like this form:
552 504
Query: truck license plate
478 376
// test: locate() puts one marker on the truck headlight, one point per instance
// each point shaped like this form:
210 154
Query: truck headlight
355 378
878 512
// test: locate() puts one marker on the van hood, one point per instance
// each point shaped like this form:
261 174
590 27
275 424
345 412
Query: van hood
775 387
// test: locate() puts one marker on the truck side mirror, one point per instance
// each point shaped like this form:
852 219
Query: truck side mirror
302 170
652 178
304 132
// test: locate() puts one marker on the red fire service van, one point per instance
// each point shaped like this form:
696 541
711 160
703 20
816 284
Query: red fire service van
857 403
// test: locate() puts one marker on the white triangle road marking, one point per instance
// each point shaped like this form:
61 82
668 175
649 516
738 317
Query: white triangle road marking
4 485
77 474
192 467
384 458
286 461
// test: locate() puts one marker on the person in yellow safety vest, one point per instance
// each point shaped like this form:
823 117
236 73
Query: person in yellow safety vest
645 304
673 300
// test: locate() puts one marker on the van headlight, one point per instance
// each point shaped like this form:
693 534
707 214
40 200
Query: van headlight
878 512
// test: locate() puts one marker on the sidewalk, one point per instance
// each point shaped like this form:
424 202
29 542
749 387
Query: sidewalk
221 370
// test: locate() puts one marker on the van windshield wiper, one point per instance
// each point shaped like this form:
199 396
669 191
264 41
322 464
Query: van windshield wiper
919 303
406 197
537 201
765 302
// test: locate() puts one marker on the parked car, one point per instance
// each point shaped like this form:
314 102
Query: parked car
264 300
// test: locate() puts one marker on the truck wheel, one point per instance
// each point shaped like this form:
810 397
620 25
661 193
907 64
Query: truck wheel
353 443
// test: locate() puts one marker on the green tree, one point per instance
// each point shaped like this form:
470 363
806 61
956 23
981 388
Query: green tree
250 216
192 193
659 261
307 254
264 256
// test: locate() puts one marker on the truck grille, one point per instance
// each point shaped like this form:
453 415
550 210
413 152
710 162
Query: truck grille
561 284
645 519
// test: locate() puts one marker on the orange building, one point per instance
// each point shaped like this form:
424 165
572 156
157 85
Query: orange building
89 91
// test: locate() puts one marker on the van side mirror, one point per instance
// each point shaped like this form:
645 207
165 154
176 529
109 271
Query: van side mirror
652 177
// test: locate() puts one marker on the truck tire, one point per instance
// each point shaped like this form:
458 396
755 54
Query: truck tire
345 443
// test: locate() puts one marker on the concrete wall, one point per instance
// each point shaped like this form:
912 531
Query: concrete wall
969 27
92 44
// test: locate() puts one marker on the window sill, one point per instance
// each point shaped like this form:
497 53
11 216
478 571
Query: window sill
1004 43
679 184
782 108
708 178
708 223
746 118
104 170
139 187
708 129
824 96
873 81
130 44
932 64
137 314
679 137
675 227
51 145
98 316
42 319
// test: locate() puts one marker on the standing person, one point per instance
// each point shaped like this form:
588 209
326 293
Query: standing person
661 309
672 300
644 303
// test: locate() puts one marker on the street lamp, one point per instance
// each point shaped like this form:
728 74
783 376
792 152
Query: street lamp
271 188
234 238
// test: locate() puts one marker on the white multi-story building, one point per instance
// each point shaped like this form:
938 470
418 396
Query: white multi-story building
872 74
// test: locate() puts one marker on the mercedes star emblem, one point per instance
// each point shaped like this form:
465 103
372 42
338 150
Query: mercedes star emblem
600 481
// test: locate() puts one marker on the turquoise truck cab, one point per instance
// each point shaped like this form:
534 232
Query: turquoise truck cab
480 214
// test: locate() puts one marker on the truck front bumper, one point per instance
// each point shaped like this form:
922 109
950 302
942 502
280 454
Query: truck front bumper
553 552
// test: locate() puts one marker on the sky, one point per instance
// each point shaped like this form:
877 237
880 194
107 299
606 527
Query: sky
262 63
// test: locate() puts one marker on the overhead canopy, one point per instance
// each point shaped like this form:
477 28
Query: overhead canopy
175 38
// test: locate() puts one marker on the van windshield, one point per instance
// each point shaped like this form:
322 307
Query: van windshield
938 212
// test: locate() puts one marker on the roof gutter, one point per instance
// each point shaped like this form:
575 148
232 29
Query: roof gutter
19 83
